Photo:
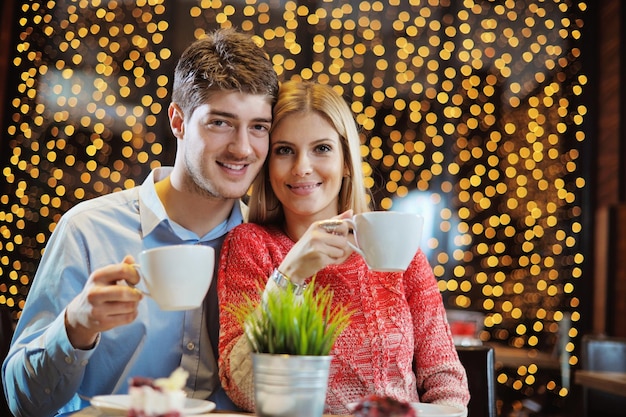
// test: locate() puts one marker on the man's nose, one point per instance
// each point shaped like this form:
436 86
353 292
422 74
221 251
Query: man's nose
240 143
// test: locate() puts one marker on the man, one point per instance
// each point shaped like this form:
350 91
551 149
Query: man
85 330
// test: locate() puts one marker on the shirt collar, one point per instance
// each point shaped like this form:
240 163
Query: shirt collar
151 210
152 213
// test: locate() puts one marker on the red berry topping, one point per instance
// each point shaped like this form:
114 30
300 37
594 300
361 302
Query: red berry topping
383 406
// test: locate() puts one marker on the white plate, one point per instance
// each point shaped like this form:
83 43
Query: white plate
119 405
430 410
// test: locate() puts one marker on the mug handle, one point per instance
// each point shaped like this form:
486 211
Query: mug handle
356 247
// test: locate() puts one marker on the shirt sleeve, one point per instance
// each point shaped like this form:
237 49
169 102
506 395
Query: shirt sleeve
440 375
245 265
42 370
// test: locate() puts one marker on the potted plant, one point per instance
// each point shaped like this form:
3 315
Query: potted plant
291 338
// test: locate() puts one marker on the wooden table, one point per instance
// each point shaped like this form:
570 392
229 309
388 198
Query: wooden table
611 382
511 357
94 412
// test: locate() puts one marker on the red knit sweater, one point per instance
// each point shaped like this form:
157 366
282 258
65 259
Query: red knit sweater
399 322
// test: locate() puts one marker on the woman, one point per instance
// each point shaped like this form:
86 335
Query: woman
313 174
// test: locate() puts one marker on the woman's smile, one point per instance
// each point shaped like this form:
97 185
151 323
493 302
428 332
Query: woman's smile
304 188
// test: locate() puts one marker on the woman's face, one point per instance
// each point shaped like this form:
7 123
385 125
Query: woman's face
306 166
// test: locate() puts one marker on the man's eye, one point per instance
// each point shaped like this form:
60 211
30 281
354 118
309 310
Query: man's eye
261 127
217 122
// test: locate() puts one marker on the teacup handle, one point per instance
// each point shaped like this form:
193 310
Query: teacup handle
356 247
141 277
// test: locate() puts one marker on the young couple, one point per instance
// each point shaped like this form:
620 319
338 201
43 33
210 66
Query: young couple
82 333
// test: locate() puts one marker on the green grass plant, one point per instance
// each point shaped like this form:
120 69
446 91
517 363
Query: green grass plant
295 325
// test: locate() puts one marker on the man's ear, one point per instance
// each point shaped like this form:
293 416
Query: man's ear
177 119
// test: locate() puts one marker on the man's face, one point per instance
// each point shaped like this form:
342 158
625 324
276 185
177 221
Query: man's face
223 143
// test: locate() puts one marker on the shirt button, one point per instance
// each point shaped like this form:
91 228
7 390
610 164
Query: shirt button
190 346
68 360
84 362
47 390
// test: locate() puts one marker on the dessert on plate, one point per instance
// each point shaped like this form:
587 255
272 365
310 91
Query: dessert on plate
383 406
162 397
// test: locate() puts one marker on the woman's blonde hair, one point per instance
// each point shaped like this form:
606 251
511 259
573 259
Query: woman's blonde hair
303 97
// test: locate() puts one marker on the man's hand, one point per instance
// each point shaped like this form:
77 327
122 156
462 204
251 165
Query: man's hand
103 304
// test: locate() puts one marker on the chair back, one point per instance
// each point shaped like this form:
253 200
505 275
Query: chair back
479 363
601 353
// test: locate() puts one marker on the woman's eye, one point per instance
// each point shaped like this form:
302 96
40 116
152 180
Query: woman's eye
283 150
324 148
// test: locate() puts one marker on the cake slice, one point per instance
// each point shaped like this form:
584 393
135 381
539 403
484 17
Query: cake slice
382 406
162 397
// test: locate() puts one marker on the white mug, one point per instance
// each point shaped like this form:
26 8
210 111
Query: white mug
387 240
177 277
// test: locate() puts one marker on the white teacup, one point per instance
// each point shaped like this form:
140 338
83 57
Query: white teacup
177 277
387 240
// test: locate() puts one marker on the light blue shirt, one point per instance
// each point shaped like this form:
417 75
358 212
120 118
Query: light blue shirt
44 374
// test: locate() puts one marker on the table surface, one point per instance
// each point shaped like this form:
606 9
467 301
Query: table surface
515 357
94 412
611 382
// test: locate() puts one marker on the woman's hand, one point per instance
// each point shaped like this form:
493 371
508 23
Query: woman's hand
324 243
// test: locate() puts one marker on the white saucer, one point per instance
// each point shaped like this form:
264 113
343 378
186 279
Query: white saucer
119 405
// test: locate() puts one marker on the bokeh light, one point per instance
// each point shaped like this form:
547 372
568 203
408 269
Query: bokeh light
471 114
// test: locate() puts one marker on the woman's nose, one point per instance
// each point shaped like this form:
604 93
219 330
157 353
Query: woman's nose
302 166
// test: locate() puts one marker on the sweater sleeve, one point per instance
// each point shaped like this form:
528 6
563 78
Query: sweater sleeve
245 264
441 377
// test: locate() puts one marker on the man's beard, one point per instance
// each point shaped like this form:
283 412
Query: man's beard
198 183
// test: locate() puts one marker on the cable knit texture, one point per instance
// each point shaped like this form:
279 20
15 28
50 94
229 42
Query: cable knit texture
399 325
